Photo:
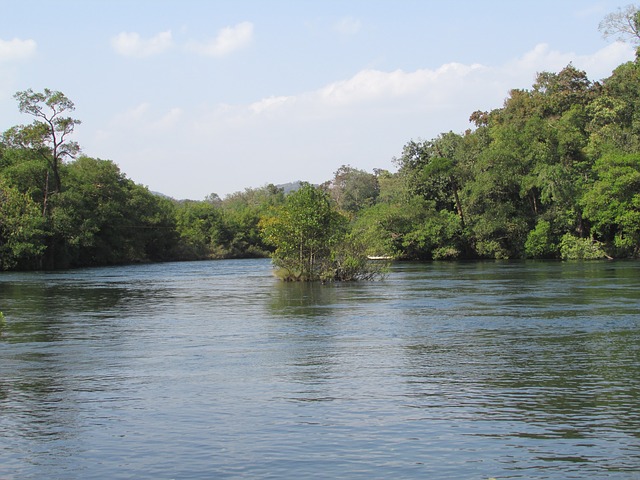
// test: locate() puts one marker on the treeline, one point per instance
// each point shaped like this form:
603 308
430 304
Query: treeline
553 173
100 217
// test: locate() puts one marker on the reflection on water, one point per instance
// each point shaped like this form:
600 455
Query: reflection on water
217 370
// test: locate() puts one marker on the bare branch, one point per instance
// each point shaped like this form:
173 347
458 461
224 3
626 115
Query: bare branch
622 25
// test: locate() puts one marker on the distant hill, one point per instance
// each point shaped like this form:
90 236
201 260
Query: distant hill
286 188
291 186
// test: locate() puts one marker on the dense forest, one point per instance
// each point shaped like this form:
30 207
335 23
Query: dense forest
553 173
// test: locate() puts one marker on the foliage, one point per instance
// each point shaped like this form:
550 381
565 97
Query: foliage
352 189
21 229
304 232
351 262
201 230
47 136
539 243
104 218
574 248
241 213
612 204
311 241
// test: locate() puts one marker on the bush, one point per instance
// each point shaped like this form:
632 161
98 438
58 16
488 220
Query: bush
574 248
311 240
539 244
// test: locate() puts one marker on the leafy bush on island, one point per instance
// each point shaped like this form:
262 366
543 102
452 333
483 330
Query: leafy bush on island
553 173
312 241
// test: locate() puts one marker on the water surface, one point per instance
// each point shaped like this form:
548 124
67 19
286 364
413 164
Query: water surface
217 370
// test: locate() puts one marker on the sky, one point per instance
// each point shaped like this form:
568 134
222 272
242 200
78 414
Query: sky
194 97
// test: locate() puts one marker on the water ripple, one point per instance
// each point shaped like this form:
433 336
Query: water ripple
216 370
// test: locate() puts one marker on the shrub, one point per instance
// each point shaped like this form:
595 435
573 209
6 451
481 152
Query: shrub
575 248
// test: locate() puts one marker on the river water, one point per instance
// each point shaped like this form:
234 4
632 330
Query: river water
217 370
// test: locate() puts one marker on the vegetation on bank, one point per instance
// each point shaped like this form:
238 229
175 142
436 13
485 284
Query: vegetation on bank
553 173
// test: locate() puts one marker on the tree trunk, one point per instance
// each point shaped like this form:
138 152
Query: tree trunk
458 206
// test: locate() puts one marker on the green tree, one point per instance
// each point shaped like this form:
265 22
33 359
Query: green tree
104 218
304 232
311 240
24 171
539 242
612 204
48 135
21 229
614 116
575 248
151 221
241 214
353 189
201 229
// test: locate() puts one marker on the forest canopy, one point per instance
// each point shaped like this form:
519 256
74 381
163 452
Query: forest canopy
552 173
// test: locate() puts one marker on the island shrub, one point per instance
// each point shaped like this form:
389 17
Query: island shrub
312 242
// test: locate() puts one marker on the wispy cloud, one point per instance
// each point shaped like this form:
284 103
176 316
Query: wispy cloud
143 116
228 40
347 26
131 44
17 49
267 104
597 65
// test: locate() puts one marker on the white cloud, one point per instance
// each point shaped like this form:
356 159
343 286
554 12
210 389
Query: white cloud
597 65
268 104
144 119
347 26
134 114
17 49
168 120
228 40
363 120
603 62
375 85
132 45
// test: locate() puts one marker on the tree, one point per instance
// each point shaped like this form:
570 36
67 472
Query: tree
539 242
353 189
21 229
304 231
104 218
311 240
623 24
49 133
241 214
554 93
612 203
201 229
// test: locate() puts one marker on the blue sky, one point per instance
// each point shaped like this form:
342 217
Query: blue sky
193 97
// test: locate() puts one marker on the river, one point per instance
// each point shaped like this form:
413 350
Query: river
202 370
